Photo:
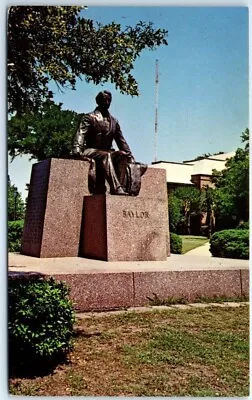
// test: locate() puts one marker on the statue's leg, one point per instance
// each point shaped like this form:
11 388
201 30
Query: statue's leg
120 162
100 179
104 161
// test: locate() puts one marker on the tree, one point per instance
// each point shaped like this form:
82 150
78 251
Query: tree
188 199
175 212
232 188
15 203
46 133
208 207
57 43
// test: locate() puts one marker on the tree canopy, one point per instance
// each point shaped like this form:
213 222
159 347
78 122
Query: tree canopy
43 134
57 43
232 187
184 204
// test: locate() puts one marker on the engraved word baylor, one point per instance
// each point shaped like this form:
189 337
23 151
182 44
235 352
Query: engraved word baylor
135 214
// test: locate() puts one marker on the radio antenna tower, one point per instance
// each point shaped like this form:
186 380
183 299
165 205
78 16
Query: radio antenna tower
156 113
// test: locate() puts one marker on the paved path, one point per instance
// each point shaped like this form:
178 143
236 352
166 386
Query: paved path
88 314
200 251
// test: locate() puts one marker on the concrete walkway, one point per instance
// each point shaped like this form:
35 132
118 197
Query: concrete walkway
188 306
200 251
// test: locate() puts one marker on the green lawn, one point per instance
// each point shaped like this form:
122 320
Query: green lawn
193 352
191 242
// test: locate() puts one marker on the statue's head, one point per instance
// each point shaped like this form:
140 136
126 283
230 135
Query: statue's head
103 99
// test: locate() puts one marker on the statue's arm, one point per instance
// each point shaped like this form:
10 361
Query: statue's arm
121 142
79 139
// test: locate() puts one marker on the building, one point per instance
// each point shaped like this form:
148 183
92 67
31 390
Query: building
195 173
192 172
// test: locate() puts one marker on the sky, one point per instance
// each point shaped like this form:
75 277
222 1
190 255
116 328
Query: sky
202 92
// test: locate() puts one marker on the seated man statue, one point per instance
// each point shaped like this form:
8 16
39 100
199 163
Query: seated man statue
93 141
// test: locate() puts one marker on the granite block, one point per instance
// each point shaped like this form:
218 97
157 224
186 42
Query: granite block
126 228
98 292
244 281
189 284
93 240
95 288
153 184
54 209
35 210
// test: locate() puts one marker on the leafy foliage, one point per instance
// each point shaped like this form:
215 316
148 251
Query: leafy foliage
230 243
175 243
15 230
175 212
15 203
57 43
46 133
232 188
40 320
184 204
208 198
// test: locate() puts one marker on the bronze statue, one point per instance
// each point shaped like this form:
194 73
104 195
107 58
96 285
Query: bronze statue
93 140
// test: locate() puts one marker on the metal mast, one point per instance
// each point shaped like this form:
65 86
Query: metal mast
156 113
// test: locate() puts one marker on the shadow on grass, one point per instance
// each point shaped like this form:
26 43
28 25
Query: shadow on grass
25 366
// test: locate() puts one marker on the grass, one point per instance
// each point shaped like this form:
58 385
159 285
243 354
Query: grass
156 301
192 242
195 352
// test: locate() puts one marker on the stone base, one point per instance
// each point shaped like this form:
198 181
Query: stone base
54 208
100 285
121 228
54 214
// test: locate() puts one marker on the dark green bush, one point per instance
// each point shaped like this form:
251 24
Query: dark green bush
230 243
40 320
175 243
15 229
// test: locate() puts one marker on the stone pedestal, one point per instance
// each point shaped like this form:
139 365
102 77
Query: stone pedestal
121 228
54 209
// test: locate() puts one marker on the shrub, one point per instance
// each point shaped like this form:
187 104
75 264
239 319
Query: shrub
15 229
40 320
231 243
175 243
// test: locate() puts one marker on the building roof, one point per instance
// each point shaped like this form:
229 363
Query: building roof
182 172
221 157
175 172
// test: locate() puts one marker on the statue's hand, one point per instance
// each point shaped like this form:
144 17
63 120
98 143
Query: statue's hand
129 156
131 159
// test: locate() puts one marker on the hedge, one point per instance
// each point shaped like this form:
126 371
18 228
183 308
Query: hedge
230 243
175 243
